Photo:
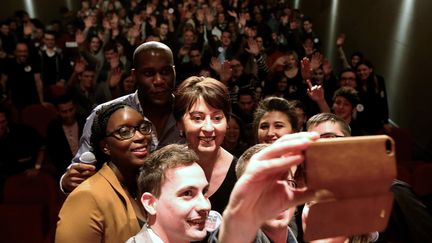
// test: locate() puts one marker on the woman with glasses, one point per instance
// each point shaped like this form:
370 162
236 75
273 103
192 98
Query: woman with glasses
105 207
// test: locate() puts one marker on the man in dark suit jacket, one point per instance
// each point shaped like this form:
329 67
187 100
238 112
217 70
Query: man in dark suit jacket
63 135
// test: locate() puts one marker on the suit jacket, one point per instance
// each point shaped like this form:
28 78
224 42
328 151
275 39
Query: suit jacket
57 146
98 210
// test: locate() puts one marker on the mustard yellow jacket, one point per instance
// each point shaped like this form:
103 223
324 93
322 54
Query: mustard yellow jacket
98 210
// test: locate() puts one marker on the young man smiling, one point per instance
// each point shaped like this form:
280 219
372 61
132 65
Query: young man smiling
173 188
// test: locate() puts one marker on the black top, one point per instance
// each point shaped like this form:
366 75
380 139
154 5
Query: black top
219 199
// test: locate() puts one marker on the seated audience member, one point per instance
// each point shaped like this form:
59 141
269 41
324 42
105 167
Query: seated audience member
273 118
345 101
373 96
347 78
300 112
410 220
81 88
63 135
21 147
104 208
234 140
173 189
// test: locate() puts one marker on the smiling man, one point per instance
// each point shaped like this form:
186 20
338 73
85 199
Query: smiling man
174 195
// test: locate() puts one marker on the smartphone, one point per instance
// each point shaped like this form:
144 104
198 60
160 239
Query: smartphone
353 176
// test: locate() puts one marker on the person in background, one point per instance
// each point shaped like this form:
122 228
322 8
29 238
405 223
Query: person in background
345 102
234 141
63 135
273 118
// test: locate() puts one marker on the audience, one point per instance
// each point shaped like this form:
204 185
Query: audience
246 51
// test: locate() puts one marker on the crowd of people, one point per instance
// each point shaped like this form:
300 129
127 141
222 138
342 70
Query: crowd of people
132 80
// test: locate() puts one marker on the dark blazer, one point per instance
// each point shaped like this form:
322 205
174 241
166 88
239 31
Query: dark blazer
57 147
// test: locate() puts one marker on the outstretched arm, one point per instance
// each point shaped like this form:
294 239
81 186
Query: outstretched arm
262 192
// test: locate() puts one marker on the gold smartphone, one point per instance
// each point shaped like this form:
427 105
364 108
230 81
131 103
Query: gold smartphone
352 177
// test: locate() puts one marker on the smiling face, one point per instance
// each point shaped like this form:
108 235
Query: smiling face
233 131
155 78
183 206
204 127
343 108
363 71
131 152
272 126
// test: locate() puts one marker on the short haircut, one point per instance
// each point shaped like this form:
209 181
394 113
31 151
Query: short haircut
346 70
153 172
348 93
110 46
148 46
63 99
245 91
214 93
324 117
270 104
244 159
99 126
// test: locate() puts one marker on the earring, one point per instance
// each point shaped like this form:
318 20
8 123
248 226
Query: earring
181 133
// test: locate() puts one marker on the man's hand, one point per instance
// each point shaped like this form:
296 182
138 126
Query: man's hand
263 191
75 175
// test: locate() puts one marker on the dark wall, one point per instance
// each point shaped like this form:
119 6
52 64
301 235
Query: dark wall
45 10
396 36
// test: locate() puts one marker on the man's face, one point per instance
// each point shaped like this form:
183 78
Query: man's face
155 78
327 129
67 112
163 29
3 125
195 57
109 54
188 37
21 52
237 68
4 29
348 79
246 104
49 40
307 26
86 79
183 205
226 39
342 107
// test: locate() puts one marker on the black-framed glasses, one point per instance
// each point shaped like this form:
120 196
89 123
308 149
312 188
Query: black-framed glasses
127 132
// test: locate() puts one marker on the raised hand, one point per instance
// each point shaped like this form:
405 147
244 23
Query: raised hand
340 40
306 69
316 60
253 47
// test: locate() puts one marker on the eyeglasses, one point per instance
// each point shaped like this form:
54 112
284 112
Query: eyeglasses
352 79
127 132
330 135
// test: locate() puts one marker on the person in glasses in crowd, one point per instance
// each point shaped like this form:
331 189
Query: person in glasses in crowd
104 208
